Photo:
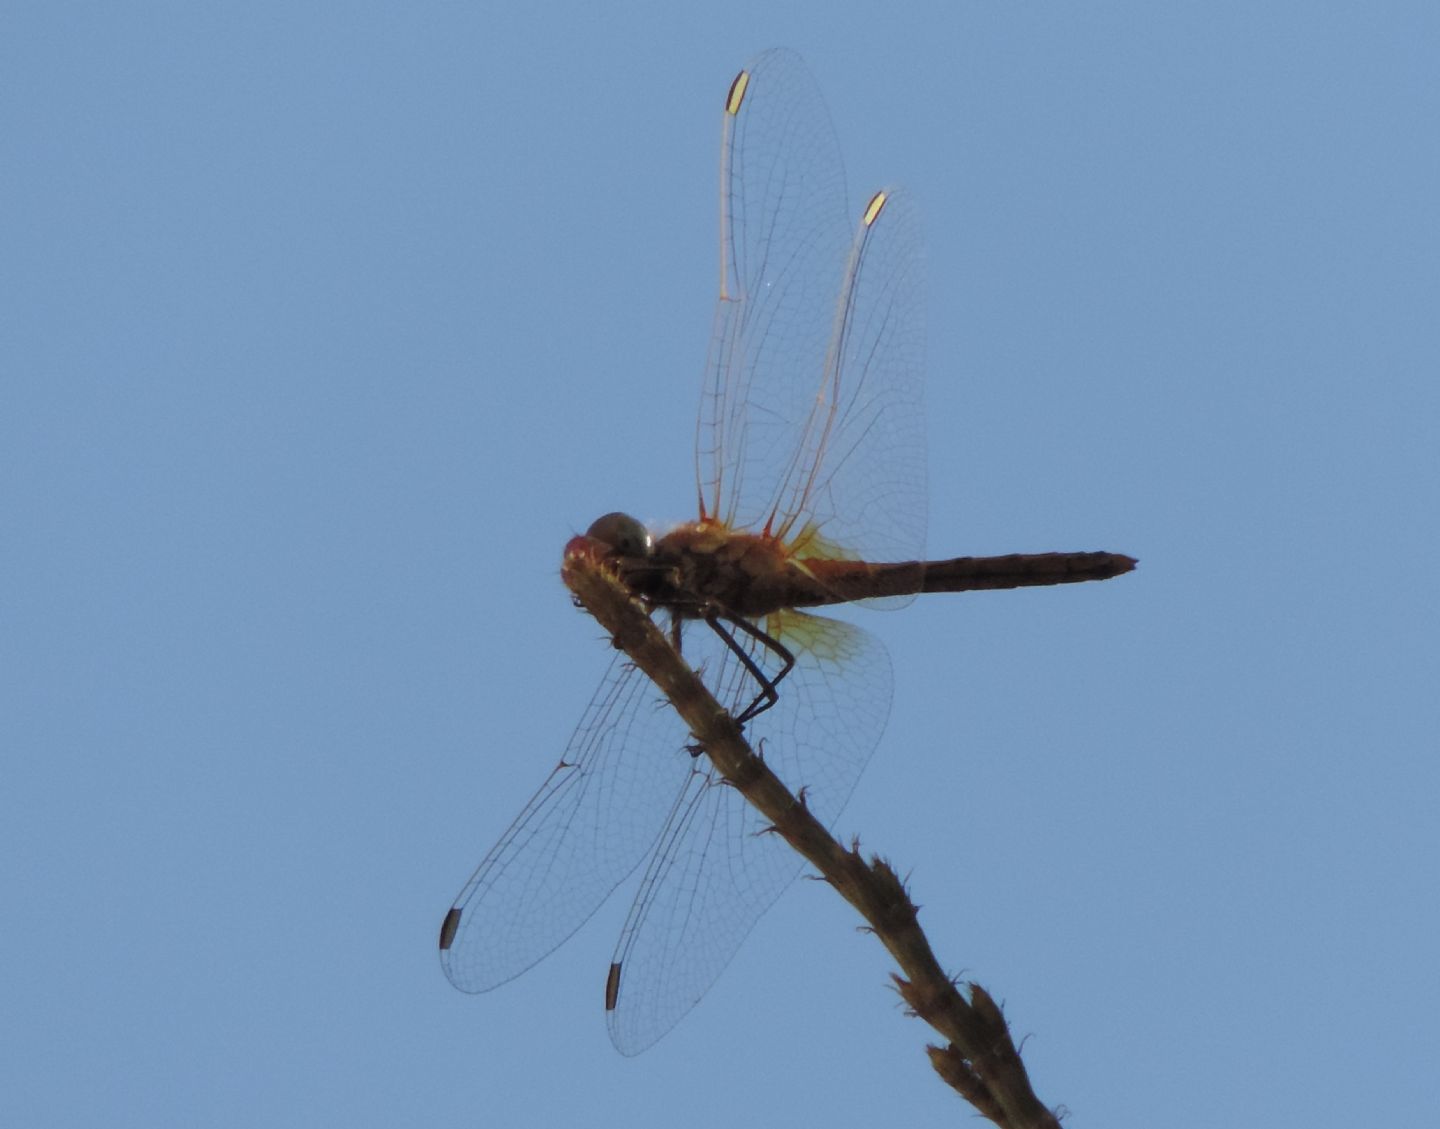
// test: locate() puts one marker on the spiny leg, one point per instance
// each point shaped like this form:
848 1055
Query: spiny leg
768 695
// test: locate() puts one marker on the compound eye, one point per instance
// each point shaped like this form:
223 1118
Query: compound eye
624 536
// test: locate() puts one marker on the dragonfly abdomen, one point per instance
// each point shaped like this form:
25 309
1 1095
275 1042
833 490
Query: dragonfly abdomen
859 580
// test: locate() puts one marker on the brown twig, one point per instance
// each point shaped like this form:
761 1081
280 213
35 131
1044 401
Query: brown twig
980 1060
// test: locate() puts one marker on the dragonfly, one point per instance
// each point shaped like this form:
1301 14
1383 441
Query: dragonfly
809 468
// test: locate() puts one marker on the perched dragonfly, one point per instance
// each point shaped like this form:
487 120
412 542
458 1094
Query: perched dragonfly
810 467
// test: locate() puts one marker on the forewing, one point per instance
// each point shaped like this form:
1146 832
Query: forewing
717 867
784 235
811 422
581 835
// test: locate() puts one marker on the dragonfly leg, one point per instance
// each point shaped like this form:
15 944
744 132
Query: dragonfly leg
768 695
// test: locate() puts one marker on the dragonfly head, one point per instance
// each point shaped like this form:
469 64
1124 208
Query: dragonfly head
624 536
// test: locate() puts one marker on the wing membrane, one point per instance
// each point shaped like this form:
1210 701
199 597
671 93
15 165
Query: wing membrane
857 478
716 870
784 234
586 829
811 420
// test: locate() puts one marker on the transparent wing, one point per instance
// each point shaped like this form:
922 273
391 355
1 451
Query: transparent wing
811 421
716 869
857 478
784 234
582 834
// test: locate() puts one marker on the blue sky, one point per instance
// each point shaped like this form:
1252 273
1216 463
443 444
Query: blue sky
323 328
